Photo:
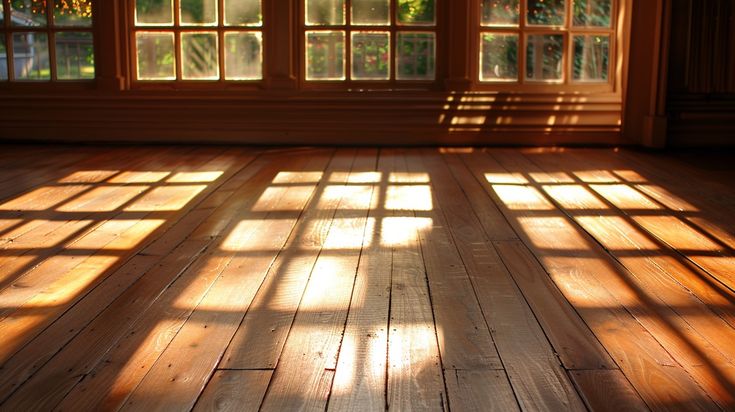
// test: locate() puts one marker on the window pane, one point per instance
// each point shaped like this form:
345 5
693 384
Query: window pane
74 56
544 57
546 12
416 12
321 12
370 56
243 13
3 60
156 56
243 56
198 12
152 12
30 56
77 13
591 58
500 12
371 12
499 57
2 13
415 56
325 58
592 13
28 13
199 56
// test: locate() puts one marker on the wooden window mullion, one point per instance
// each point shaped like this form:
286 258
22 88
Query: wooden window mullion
393 52
10 63
221 40
569 41
348 40
178 63
522 42
51 39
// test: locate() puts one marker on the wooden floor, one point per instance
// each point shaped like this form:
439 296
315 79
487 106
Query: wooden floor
216 278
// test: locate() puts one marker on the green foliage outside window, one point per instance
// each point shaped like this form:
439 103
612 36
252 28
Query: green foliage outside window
592 13
325 55
148 6
370 56
500 12
546 12
416 11
416 56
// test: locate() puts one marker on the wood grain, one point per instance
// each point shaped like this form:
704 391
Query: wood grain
415 375
233 278
310 353
609 391
184 312
534 371
360 376
480 390
234 390
545 230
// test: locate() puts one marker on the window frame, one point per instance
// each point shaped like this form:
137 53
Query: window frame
131 52
50 29
439 30
284 68
568 31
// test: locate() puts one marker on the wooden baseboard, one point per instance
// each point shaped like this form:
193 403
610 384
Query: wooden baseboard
328 119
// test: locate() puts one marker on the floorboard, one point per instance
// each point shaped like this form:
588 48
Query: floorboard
467 279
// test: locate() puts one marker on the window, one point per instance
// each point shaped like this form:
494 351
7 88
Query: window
198 40
546 41
46 40
370 40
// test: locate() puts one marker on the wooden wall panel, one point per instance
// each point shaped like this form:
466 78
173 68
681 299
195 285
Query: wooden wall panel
387 118
282 111
701 92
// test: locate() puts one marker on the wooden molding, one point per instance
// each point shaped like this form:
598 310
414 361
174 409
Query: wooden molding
318 118
645 97
281 109
458 54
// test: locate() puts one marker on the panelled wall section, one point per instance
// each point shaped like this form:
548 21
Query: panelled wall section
315 71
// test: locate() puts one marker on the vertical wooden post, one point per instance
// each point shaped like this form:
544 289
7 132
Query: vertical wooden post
460 26
645 100
109 58
280 43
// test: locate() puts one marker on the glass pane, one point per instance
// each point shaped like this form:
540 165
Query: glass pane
325 12
416 12
591 58
371 12
74 56
156 56
199 56
592 13
415 56
198 12
243 56
500 12
28 13
325 58
30 56
77 13
499 57
370 56
3 60
2 14
546 12
152 12
243 13
544 57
